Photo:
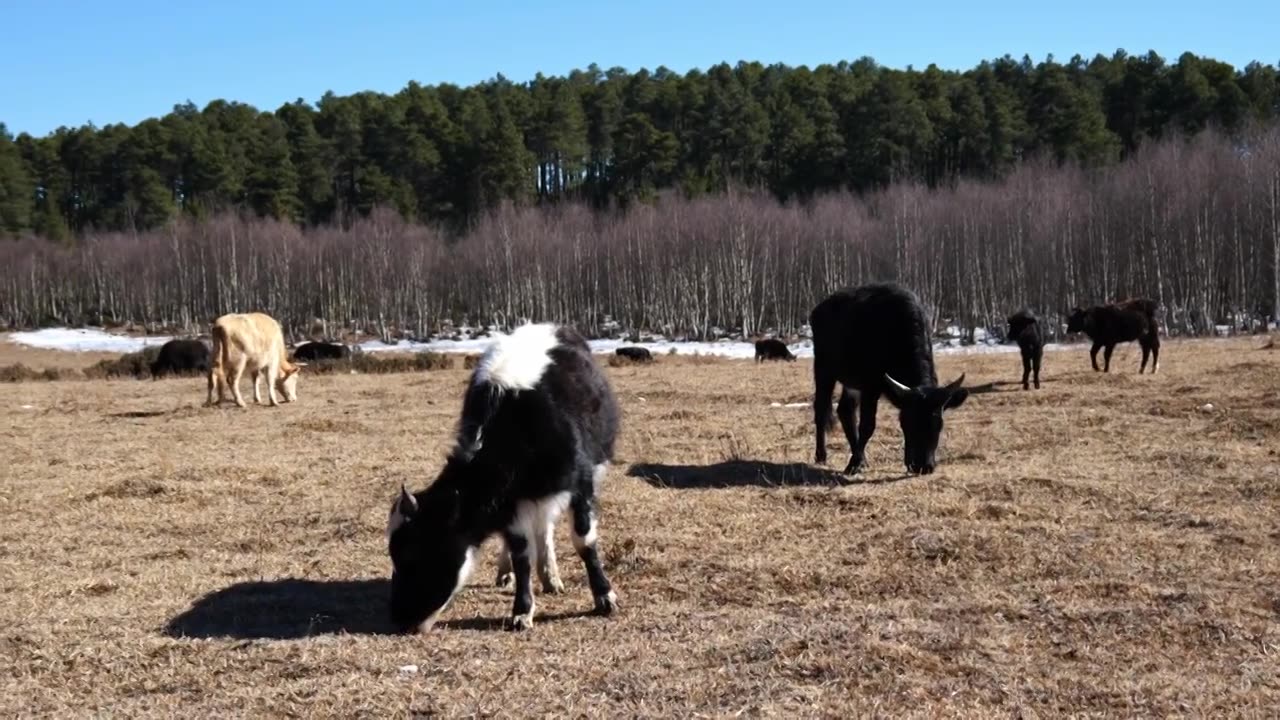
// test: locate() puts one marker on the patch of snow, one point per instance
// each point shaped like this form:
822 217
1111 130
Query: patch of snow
98 340
85 340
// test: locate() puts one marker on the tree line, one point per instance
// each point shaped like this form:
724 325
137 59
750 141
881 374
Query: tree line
448 155
1194 224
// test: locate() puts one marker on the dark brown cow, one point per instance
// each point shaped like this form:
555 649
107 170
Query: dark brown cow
1124 321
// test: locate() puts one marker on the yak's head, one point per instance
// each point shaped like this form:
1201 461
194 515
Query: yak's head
920 415
1075 321
287 381
1019 322
429 560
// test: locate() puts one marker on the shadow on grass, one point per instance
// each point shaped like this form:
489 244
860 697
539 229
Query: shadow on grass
292 609
736 473
287 609
135 414
503 623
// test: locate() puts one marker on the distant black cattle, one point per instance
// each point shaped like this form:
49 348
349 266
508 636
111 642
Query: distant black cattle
309 351
634 354
181 357
1024 329
1124 321
773 349
874 340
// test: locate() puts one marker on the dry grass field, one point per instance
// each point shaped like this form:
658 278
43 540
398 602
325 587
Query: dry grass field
1106 546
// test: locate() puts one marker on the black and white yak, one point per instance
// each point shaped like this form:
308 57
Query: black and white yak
537 432
874 340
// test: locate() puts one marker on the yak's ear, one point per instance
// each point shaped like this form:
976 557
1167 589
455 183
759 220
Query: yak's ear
956 399
403 510
407 505
956 395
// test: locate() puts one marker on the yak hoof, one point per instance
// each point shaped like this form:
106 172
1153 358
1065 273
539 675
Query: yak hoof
505 581
522 622
606 604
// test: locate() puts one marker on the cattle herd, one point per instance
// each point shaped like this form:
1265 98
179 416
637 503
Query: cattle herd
539 423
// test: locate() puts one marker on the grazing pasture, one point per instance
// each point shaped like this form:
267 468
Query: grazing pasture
1107 545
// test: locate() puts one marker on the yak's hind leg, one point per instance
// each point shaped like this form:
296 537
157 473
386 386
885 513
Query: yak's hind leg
1036 367
545 537
824 383
1026 372
1106 357
237 371
505 578
585 540
1150 347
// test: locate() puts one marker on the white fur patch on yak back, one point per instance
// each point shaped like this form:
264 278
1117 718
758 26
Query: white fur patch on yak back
517 361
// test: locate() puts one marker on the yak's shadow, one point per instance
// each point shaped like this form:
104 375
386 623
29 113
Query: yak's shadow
287 609
291 609
736 473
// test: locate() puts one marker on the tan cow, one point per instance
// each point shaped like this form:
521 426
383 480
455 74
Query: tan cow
253 342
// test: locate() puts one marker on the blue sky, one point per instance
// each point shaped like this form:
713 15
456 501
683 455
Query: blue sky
67 63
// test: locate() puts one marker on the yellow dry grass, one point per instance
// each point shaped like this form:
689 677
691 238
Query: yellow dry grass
1108 545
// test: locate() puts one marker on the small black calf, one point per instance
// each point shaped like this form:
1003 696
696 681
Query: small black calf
773 349
634 354
537 431
1024 329
181 357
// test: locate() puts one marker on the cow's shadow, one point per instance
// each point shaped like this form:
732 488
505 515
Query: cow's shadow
287 609
737 473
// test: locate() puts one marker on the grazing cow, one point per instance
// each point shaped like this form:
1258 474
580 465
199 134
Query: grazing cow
634 354
773 349
1024 329
181 357
311 351
1124 321
253 342
874 340
537 432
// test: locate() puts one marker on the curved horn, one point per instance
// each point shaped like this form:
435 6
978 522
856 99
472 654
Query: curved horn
897 387
955 384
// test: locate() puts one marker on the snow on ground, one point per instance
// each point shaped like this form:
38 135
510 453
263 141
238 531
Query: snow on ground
84 340
96 339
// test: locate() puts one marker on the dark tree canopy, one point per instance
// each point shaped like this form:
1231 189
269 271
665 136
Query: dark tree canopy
445 154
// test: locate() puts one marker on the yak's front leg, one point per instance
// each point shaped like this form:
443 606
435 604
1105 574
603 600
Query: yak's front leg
1093 356
522 565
